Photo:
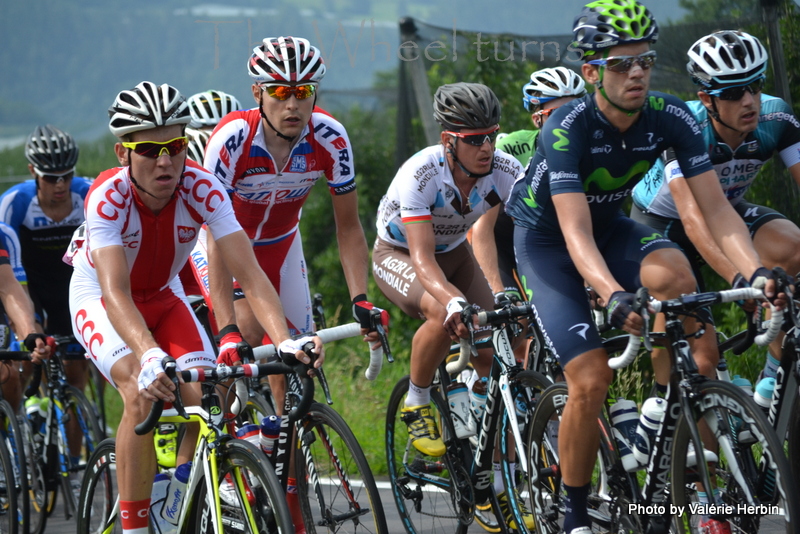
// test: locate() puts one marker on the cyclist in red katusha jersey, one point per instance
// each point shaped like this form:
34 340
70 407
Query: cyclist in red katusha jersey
127 304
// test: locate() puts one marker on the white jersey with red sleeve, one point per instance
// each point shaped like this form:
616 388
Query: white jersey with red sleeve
267 199
156 246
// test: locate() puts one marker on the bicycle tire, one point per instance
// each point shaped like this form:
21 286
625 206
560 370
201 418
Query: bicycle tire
95 394
78 407
263 494
10 509
97 510
335 483
422 486
14 443
526 389
793 440
546 494
729 413
34 476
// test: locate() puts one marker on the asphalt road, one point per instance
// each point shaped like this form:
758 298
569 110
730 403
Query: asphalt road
56 524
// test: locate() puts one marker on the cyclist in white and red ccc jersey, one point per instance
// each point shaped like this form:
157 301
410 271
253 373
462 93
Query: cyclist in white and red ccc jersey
127 305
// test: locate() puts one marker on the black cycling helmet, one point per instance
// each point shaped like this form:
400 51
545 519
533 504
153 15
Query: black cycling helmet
49 149
458 106
606 23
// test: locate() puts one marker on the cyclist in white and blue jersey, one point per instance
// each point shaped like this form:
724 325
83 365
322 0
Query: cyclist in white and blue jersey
742 129
570 227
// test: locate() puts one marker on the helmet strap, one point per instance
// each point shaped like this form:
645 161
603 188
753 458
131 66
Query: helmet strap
264 116
469 173
142 189
601 71
714 113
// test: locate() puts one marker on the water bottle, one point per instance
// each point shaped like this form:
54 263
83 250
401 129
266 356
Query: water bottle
653 411
176 494
477 401
458 398
745 384
625 419
763 393
251 433
157 499
270 429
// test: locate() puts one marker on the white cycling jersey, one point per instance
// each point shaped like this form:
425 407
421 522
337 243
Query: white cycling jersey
423 191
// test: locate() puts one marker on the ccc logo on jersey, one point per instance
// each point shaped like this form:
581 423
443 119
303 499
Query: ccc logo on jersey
116 198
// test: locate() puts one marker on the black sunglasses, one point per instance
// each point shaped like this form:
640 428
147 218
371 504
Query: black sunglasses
737 91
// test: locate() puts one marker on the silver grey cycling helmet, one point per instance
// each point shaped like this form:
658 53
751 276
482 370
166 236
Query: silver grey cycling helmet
726 57
549 84
606 23
49 149
458 106
145 107
198 139
208 108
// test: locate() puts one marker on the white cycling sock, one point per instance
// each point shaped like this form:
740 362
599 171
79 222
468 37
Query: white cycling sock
417 396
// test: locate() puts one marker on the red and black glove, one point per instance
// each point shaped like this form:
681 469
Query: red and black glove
362 309
229 339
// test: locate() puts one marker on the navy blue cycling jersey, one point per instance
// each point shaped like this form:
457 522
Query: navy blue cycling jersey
579 150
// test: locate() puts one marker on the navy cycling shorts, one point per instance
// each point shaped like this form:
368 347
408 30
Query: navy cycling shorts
556 289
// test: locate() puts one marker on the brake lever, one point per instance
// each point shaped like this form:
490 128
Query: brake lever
640 304
466 318
377 325
171 370
318 372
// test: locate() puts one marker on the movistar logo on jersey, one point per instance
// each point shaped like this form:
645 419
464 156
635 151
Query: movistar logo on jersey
562 142
657 103
530 200
528 292
653 237
604 181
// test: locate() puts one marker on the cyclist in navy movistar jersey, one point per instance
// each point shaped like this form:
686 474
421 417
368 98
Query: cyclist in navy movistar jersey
546 90
570 228
742 129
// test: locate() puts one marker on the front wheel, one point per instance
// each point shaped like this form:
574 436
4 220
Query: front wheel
336 487
98 505
426 489
252 500
751 476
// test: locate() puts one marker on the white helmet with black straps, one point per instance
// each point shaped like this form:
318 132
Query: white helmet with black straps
286 60
49 149
198 139
727 57
145 107
208 108
549 84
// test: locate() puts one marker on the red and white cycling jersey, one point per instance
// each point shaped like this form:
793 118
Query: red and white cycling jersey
156 246
267 200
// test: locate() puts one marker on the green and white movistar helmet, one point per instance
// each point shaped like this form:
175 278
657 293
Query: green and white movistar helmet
606 23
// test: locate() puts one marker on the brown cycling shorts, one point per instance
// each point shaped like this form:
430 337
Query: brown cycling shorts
397 279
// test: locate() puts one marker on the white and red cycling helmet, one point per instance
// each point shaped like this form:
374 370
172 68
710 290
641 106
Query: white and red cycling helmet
286 60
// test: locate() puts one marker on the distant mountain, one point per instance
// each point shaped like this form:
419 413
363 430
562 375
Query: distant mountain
63 62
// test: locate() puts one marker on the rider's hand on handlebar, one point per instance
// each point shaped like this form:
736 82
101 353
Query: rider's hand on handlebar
40 346
362 310
621 314
153 382
228 352
452 323
292 349
764 279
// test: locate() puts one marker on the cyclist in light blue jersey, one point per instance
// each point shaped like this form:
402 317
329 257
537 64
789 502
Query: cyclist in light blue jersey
742 129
